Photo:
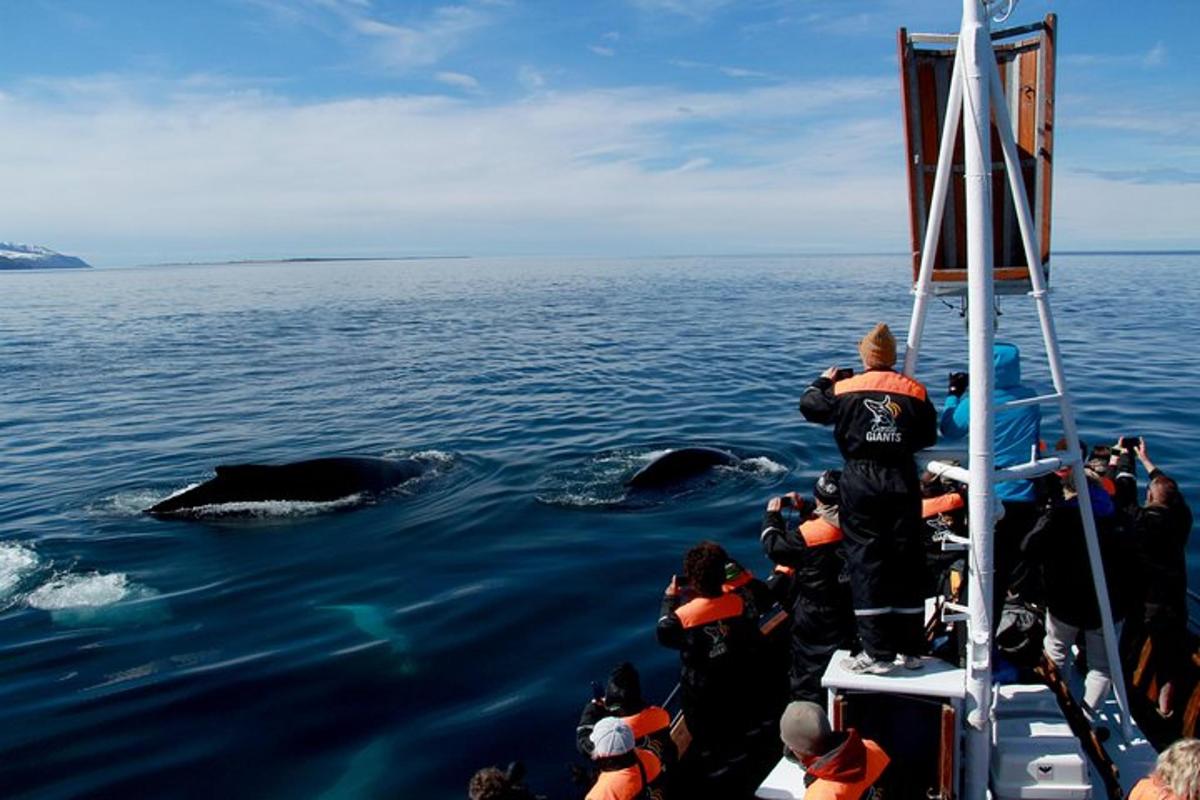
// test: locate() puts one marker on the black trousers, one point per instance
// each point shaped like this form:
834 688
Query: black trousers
817 633
880 515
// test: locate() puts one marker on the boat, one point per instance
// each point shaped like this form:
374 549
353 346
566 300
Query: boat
965 730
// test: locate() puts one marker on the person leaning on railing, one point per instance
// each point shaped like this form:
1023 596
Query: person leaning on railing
1058 545
1160 532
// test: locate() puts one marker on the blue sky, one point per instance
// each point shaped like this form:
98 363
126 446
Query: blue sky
150 130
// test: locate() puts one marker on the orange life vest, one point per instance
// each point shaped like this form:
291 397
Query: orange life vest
942 504
625 784
818 531
743 577
823 789
1150 789
650 719
881 381
704 610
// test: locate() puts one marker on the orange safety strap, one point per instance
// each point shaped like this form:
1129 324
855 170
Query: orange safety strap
744 577
650 719
818 531
942 504
881 381
703 610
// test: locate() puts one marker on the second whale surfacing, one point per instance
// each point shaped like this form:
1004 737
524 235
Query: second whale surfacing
318 480
679 465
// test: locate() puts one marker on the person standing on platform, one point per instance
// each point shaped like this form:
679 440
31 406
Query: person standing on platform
881 419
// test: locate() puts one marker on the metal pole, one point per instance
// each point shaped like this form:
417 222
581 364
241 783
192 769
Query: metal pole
937 209
975 47
1054 356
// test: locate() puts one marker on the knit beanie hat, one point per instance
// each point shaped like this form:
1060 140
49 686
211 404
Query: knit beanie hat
611 736
878 348
826 487
803 727
624 691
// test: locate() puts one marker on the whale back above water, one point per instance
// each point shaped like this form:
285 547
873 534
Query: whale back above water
317 480
679 465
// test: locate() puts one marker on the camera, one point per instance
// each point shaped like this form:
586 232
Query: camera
1130 442
842 374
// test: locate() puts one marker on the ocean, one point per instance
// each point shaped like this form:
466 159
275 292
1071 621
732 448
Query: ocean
389 648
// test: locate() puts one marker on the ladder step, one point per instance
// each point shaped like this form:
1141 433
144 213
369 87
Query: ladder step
1053 397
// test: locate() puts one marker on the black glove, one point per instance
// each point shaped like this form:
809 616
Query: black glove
959 381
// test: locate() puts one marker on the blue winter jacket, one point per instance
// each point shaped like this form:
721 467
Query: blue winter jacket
1017 429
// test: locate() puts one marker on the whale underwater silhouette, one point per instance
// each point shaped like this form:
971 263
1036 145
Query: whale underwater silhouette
318 480
678 465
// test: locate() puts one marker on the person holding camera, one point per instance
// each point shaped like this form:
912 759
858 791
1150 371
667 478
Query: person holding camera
1161 527
808 559
1058 544
881 419
1017 433
722 686
622 698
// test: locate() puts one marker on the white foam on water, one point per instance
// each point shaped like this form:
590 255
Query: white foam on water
272 508
654 455
764 465
16 562
133 503
80 591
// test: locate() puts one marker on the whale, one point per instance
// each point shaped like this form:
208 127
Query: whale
318 480
674 466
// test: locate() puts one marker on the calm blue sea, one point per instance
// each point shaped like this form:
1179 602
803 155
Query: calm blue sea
391 649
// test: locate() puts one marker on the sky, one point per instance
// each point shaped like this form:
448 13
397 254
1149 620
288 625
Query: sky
144 131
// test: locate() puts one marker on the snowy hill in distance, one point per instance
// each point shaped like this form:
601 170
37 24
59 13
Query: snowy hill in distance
28 256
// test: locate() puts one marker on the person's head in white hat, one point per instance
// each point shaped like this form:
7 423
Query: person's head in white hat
611 736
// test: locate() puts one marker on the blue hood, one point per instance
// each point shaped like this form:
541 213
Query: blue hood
1007 360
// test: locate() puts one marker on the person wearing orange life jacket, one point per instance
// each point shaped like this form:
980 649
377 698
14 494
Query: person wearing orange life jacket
881 419
1176 774
838 765
651 724
817 590
626 772
754 593
721 682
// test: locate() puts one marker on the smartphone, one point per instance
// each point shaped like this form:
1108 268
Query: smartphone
597 692
842 374
1130 442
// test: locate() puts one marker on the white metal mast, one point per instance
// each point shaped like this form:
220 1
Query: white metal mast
974 80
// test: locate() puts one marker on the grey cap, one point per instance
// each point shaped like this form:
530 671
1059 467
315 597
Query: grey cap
803 727
611 736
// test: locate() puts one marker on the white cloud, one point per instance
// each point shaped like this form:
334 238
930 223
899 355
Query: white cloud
458 80
424 43
1157 56
699 10
418 41
531 78
740 72
188 175
600 50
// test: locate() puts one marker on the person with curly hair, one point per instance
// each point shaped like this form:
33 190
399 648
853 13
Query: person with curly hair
719 645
